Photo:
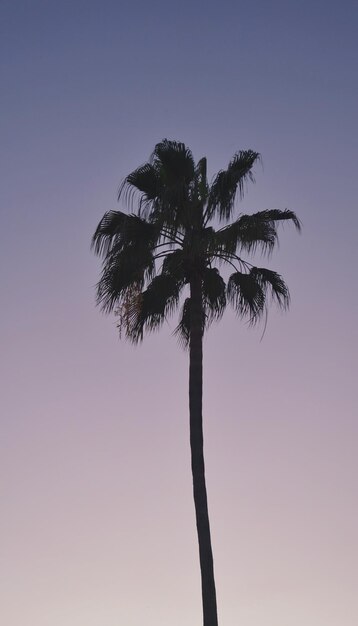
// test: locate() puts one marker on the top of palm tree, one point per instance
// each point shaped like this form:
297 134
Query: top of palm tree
171 236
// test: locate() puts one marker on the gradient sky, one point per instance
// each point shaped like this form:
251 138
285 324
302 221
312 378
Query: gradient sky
97 525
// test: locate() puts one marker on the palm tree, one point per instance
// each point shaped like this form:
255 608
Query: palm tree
171 244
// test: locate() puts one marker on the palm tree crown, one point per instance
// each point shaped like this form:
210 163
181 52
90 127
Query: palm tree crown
150 255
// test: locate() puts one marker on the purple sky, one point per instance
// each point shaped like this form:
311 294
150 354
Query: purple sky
97 525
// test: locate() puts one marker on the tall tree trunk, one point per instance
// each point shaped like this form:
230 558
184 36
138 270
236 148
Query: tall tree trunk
197 453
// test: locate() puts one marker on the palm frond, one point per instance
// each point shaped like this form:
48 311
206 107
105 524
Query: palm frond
150 309
277 215
250 232
246 233
117 229
145 180
175 168
174 162
272 281
174 264
122 271
246 296
110 225
229 182
248 292
214 294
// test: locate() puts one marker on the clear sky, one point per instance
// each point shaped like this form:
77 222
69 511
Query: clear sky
97 525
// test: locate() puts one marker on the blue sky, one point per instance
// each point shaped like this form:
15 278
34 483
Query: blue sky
91 458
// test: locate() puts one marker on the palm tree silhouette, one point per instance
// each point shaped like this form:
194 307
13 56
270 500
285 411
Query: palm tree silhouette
170 244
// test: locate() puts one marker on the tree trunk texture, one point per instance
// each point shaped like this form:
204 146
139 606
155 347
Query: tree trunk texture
197 454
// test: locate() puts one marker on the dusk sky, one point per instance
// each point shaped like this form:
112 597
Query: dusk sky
97 525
